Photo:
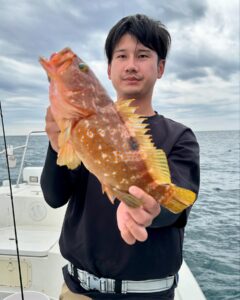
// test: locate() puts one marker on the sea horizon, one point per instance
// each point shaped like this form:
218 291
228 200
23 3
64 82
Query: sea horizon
40 131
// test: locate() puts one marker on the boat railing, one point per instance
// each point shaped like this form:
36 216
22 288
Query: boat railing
10 150
24 154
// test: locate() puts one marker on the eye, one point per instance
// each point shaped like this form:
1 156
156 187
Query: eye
143 56
83 67
121 56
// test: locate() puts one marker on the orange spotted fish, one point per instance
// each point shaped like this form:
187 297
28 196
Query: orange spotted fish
109 138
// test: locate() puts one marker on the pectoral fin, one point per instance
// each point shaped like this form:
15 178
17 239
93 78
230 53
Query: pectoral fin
67 154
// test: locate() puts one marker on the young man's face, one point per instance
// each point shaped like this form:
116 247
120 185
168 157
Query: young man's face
134 69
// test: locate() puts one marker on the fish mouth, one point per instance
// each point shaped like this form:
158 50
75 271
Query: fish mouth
63 59
45 64
60 61
59 58
62 56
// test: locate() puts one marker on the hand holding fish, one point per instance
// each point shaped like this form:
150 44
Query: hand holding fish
52 129
132 222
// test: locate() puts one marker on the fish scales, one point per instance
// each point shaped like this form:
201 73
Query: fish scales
109 138
115 155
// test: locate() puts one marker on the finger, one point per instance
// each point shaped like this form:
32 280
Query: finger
49 115
137 231
52 127
140 216
149 203
122 218
127 236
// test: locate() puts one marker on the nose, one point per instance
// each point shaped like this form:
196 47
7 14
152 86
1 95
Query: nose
131 65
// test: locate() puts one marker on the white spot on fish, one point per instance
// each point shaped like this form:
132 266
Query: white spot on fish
115 157
106 175
104 155
124 181
121 157
92 87
90 134
115 153
100 147
101 132
87 123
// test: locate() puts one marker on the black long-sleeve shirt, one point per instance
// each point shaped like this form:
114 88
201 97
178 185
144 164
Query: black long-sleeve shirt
90 238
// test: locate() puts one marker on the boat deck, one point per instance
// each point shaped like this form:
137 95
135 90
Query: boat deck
38 228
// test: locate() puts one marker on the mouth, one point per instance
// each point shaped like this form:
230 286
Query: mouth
131 79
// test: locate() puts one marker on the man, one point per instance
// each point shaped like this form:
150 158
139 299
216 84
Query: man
136 252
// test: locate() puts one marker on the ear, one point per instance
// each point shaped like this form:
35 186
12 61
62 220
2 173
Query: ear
161 67
109 71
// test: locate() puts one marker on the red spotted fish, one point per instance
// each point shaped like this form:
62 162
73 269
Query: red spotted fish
108 137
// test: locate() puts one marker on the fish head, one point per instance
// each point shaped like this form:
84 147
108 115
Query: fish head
74 89
63 65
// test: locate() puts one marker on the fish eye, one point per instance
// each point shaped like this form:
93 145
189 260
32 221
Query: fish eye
83 67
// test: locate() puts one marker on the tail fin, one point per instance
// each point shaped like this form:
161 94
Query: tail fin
181 199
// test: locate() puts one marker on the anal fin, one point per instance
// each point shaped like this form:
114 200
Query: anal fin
109 192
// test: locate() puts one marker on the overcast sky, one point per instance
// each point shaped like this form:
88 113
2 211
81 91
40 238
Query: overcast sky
200 87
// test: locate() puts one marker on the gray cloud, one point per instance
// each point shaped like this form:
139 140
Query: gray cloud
202 53
35 27
192 65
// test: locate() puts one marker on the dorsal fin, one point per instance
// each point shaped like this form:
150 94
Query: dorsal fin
154 158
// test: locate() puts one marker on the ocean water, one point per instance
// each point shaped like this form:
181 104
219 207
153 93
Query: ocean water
212 239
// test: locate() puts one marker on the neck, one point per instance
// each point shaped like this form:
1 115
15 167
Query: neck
144 108
145 112
143 105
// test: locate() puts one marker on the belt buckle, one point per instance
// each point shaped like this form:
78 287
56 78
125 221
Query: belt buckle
95 283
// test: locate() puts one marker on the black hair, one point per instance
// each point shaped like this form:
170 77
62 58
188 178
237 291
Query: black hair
151 33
